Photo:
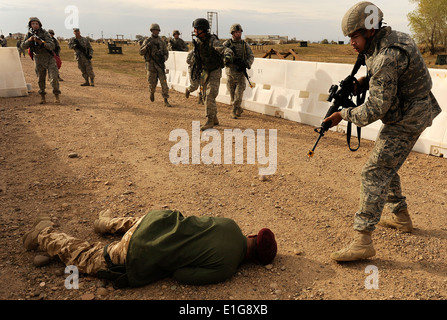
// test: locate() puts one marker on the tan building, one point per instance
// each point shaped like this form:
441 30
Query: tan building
274 39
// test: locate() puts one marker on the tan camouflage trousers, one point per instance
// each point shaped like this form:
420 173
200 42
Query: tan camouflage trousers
42 64
211 84
155 73
86 67
236 85
380 183
89 258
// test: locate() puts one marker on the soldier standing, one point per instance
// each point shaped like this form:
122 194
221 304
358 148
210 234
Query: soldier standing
42 46
19 47
243 59
83 53
3 41
177 44
194 82
155 54
209 58
399 95
57 52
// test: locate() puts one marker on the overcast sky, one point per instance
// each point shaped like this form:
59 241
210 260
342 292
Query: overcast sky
312 20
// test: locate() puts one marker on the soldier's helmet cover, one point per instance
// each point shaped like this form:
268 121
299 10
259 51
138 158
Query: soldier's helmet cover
363 15
31 19
201 24
154 26
236 27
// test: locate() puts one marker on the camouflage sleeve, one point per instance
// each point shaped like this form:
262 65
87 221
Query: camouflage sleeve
220 48
384 73
250 56
49 43
89 47
71 43
143 48
165 51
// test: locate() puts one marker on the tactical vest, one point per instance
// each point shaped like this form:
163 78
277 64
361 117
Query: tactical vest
415 82
211 59
238 47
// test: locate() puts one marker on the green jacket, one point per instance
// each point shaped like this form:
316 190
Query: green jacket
193 250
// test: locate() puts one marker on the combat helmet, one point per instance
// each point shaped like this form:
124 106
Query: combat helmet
31 19
201 24
236 27
175 32
154 26
361 16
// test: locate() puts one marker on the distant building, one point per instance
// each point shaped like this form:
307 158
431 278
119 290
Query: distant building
17 35
274 39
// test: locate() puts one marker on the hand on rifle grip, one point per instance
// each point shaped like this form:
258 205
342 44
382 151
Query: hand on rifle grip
334 118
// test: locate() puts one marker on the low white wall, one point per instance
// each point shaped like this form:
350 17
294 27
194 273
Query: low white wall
12 80
298 91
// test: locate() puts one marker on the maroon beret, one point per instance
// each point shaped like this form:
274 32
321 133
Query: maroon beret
266 246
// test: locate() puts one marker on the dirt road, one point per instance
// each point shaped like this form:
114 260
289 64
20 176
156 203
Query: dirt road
122 144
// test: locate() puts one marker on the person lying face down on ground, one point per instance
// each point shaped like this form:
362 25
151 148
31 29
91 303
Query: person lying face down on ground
193 250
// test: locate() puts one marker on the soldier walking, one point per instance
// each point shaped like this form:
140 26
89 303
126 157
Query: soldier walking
155 52
194 81
400 96
177 44
83 54
42 46
57 52
19 47
209 58
236 70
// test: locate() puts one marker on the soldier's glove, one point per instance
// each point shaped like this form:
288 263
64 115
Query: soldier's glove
228 59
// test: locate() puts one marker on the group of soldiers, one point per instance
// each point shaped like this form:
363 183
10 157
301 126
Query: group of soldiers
44 49
206 62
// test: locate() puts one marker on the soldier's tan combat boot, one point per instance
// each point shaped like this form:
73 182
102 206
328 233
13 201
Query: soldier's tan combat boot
167 103
233 114
239 111
360 248
209 124
86 83
187 93
400 221
92 82
30 238
42 99
152 97
100 224
56 99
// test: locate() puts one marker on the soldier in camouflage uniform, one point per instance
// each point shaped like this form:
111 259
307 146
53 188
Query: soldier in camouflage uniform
177 44
213 56
243 59
155 53
194 83
42 46
83 53
400 96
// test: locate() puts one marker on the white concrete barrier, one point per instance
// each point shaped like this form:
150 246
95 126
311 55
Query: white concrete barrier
12 79
298 91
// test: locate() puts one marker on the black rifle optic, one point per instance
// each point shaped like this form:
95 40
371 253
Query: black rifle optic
341 97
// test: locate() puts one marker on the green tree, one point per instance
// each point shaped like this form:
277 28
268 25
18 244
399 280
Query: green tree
428 22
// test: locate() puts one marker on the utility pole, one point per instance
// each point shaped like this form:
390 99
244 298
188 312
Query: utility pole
210 20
